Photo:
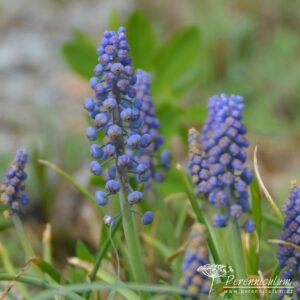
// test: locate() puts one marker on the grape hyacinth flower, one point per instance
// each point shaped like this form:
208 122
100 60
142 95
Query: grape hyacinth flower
152 140
289 256
12 191
115 112
196 255
217 160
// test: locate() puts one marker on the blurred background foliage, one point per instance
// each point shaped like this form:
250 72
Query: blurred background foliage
193 49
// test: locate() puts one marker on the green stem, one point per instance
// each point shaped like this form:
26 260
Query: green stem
23 237
272 220
25 242
72 181
199 215
102 251
235 244
42 284
130 232
10 269
132 239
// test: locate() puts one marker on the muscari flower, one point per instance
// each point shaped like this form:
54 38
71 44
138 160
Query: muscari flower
12 190
152 139
217 160
116 112
288 256
196 255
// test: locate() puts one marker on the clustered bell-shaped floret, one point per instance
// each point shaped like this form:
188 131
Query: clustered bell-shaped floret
218 157
116 113
151 140
288 256
12 190
196 255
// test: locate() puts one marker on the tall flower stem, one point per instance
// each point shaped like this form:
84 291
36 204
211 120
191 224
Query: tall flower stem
130 232
236 250
198 213
132 239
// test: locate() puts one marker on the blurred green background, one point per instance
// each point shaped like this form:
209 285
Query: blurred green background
193 49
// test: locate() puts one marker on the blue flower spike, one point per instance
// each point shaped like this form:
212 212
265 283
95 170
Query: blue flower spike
288 254
123 115
217 160
196 254
12 191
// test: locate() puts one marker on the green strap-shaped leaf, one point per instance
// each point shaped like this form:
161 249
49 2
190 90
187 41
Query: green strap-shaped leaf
48 269
141 40
151 288
80 53
176 58
83 252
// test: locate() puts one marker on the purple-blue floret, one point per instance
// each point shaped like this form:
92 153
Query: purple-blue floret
218 157
288 254
12 191
122 114
195 255
151 139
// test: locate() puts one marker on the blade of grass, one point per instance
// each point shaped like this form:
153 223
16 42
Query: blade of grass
48 269
236 251
40 283
25 242
256 205
47 251
161 247
106 277
22 235
198 213
285 243
71 180
81 287
10 269
102 251
264 189
180 223
273 220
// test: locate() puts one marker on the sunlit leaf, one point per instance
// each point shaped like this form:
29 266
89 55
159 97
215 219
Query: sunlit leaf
141 40
80 54
83 252
175 58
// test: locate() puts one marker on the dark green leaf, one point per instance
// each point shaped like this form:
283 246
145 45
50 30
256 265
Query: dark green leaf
176 58
80 53
76 274
169 116
256 205
83 252
141 40
48 269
